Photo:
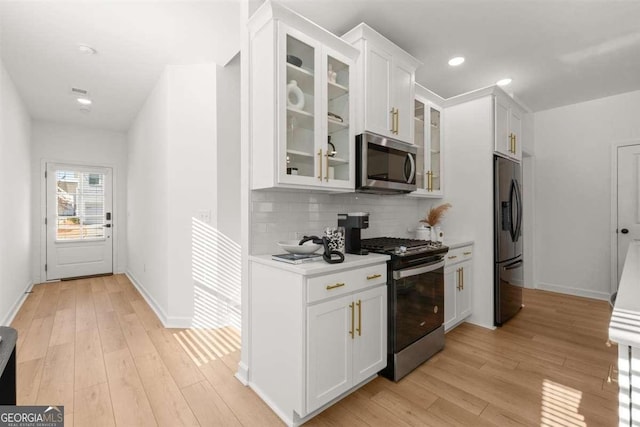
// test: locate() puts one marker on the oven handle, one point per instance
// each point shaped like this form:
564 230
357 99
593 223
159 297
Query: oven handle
401 274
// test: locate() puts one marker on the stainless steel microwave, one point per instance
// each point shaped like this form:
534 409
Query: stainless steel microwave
384 165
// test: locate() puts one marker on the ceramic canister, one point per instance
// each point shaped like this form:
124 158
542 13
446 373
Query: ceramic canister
423 233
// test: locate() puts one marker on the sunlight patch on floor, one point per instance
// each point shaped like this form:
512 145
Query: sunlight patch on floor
560 406
204 345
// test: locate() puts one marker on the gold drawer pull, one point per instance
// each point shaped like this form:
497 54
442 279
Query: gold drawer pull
467 253
374 276
452 256
337 285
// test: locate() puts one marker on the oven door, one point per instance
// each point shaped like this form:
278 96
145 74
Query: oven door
418 299
385 165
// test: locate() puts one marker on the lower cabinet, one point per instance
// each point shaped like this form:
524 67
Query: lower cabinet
345 344
316 332
458 276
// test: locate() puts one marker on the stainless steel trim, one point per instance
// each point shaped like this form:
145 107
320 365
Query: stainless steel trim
372 138
414 355
400 274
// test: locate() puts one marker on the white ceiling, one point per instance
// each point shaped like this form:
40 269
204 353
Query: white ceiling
134 40
558 52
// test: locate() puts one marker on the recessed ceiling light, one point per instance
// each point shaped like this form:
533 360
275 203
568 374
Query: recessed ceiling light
84 101
454 62
503 82
86 49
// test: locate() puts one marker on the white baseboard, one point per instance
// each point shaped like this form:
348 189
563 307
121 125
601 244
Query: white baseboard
573 291
167 321
16 306
243 373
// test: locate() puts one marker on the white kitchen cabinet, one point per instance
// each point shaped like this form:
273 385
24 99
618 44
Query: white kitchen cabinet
508 128
458 276
346 344
385 88
429 138
301 103
317 331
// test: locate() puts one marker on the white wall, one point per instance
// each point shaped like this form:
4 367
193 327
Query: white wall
228 90
469 187
172 187
15 196
573 191
61 143
288 215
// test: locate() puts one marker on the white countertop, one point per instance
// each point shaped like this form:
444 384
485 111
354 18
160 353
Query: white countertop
321 267
454 243
624 327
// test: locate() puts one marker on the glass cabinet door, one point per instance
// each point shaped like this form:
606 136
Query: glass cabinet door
428 139
420 142
434 173
299 84
339 140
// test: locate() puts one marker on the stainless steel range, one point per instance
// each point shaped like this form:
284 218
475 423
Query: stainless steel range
415 286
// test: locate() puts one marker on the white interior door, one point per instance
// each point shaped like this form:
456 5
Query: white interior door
79 220
628 200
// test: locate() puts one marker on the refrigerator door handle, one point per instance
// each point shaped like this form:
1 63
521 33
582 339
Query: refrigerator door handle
519 205
512 225
513 265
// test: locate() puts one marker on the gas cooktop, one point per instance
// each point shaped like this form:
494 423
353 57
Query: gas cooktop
400 246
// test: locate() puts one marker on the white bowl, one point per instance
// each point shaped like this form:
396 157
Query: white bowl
293 247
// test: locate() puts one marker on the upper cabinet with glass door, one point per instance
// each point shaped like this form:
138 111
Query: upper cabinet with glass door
300 103
429 139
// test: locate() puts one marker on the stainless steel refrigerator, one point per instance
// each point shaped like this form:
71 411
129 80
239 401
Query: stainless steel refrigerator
508 277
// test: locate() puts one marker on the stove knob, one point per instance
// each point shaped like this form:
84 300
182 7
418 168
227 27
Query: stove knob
403 249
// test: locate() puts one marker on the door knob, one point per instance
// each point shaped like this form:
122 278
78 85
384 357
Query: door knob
107 225
624 230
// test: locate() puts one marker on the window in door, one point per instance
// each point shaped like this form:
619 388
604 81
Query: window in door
80 213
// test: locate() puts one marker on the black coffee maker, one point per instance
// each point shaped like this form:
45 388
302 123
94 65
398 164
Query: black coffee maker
353 223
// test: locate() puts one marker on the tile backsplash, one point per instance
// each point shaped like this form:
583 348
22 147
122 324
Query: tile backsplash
288 215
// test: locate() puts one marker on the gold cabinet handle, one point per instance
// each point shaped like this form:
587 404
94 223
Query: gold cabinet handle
452 256
467 253
374 276
515 143
393 119
320 164
397 120
352 321
458 284
359 329
326 172
337 285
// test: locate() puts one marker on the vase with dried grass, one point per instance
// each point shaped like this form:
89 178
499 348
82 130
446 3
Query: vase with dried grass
433 218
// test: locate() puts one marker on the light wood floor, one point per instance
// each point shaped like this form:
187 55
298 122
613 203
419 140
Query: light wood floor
94 346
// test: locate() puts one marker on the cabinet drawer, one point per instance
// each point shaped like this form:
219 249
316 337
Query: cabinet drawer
344 282
457 255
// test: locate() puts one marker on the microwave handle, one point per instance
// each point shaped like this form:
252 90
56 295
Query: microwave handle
413 169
